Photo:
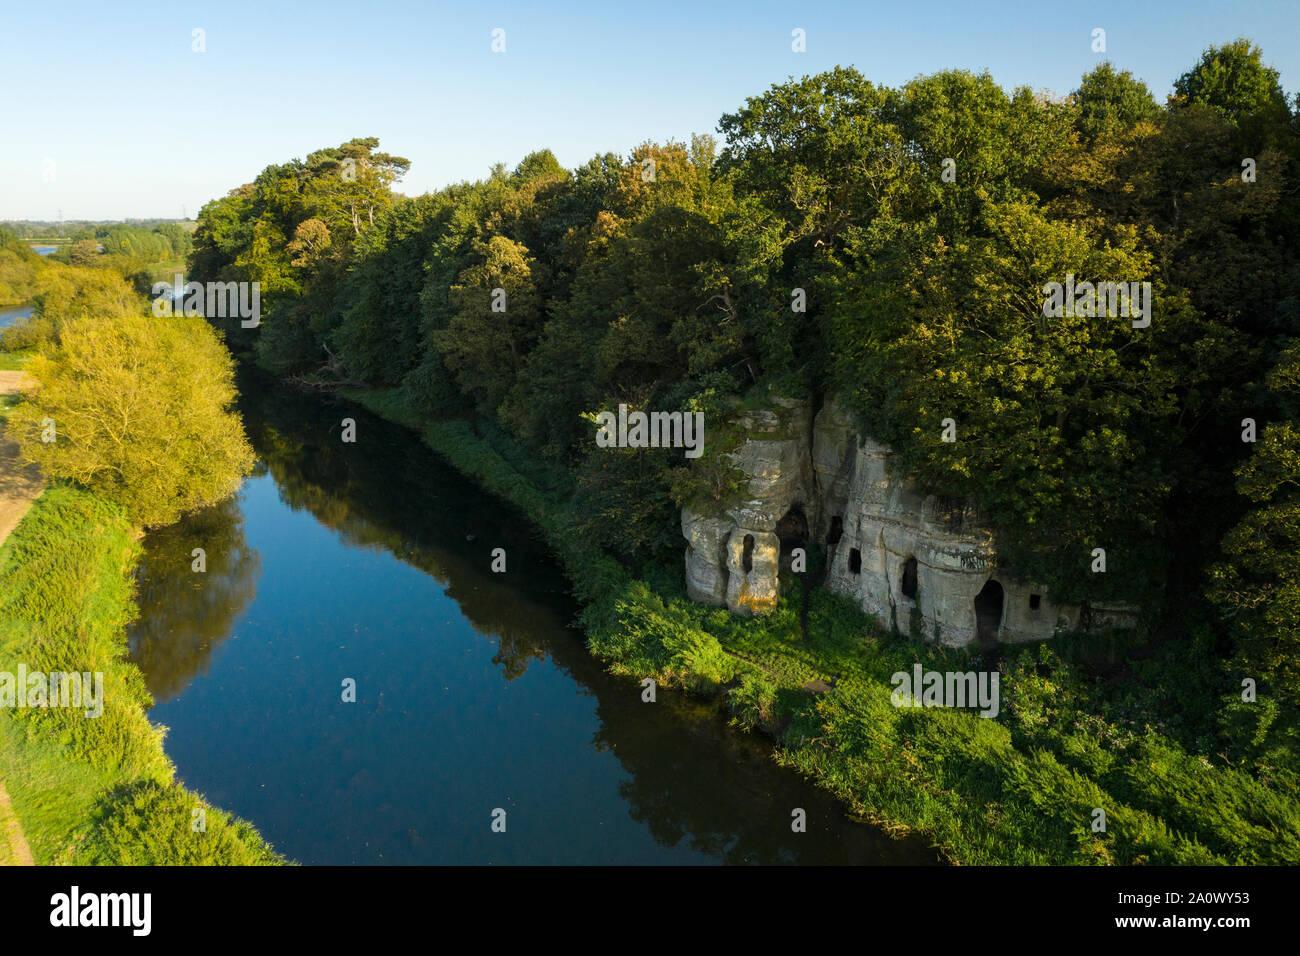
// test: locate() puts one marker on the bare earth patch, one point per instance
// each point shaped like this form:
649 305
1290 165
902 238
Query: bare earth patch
14 850
19 485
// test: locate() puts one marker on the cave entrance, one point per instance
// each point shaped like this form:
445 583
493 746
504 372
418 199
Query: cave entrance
792 529
836 532
988 613
747 554
908 584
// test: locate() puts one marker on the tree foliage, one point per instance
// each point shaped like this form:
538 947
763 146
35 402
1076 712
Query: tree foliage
138 410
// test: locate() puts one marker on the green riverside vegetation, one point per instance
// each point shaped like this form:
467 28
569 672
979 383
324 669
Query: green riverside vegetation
93 791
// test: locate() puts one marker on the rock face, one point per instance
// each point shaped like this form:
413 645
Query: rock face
734 559
917 563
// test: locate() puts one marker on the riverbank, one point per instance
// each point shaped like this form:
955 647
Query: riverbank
102 790
89 790
19 487
1024 788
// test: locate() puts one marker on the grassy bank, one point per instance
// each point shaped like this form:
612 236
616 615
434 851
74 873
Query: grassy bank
93 790
1023 788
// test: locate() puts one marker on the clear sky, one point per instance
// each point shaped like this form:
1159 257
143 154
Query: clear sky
111 105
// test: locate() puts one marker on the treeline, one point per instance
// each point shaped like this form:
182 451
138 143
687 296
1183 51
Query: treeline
143 255
126 246
167 241
889 246
34 229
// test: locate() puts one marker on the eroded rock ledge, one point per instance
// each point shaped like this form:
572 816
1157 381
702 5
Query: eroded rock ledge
914 561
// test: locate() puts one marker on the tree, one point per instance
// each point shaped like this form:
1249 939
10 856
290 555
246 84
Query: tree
1234 82
496 321
84 252
819 152
311 241
1111 101
140 411
348 185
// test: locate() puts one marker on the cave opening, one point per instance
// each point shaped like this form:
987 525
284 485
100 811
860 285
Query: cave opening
988 613
792 529
747 557
909 578
837 531
855 560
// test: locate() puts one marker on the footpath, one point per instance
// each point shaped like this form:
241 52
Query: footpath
19 487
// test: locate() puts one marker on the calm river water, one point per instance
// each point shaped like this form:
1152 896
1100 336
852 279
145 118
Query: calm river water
371 561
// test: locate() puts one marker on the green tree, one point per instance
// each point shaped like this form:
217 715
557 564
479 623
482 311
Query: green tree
497 317
1233 81
84 252
141 412
1111 101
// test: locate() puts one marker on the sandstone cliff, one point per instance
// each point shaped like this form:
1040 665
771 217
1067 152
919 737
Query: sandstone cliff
914 561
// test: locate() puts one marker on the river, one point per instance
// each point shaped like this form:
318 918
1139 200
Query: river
13 315
371 562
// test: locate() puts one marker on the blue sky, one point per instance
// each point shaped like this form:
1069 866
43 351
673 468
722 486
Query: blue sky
137 124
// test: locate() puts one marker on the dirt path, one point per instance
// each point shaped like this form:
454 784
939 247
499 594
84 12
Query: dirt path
19 487
14 850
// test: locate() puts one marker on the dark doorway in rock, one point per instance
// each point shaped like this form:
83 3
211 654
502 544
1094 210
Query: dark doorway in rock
988 613
793 528
793 532
908 585
1035 602
836 532
725 568
855 560
747 558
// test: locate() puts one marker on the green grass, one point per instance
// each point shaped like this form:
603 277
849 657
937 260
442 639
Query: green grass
93 790
13 361
1019 789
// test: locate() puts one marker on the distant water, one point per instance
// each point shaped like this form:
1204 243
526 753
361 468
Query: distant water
45 250
9 316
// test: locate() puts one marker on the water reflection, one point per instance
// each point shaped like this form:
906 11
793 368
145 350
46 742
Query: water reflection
381 498
184 614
